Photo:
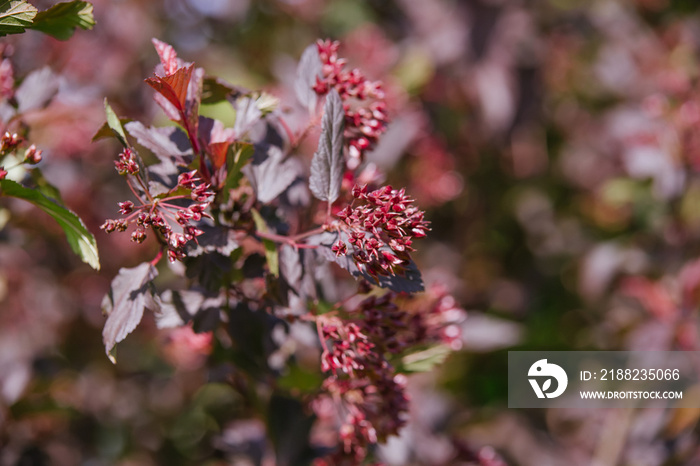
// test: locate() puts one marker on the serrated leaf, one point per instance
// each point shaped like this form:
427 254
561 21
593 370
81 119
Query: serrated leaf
174 88
61 20
15 16
270 247
308 70
168 143
37 90
129 295
269 173
426 360
216 238
216 139
80 239
328 163
217 153
247 114
167 55
105 132
291 266
115 124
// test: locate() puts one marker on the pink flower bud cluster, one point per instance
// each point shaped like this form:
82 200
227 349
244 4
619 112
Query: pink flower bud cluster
32 155
373 395
381 230
126 163
363 101
398 322
162 216
9 141
356 353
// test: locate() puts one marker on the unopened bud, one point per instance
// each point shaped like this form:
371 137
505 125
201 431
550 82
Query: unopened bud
9 141
32 155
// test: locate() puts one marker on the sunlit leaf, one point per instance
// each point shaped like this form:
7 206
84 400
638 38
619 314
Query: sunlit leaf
269 173
129 295
425 360
80 239
62 19
15 16
328 163
115 124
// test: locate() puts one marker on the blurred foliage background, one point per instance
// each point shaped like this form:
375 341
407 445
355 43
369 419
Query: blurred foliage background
553 143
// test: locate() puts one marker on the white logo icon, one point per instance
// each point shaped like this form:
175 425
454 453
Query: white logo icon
543 369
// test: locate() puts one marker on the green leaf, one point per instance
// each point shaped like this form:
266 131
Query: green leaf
115 124
215 90
424 361
239 154
15 16
80 239
271 254
61 20
106 132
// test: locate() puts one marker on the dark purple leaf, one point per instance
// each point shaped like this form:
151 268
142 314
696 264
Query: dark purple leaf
130 293
180 307
308 70
291 266
212 131
214 239
269 173
169 143
247 114
328 163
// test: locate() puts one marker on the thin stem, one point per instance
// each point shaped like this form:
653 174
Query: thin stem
172 198
133 190
172 206
285 240
320 336
306 234
158 257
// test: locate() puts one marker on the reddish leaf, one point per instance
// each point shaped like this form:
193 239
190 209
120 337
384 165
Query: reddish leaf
217 152
174 87
167 54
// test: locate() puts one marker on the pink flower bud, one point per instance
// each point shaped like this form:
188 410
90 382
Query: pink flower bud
32 155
